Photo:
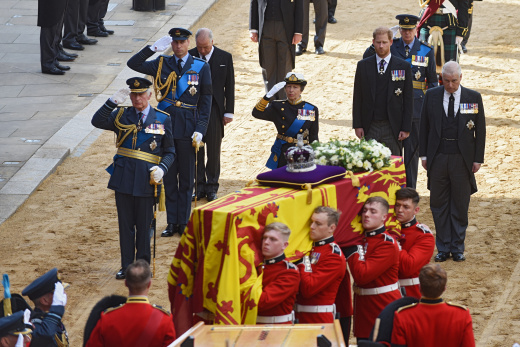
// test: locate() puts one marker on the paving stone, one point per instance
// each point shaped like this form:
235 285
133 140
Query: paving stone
7 38
10 91
9 203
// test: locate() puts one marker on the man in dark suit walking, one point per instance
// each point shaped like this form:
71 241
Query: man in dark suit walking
383 95
277 26
222 109
452 142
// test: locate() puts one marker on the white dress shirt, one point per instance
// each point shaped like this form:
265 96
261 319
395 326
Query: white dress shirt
386 59
446 101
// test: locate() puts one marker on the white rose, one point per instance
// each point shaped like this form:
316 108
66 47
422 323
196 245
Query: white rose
367 165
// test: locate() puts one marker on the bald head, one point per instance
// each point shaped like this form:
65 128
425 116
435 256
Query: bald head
204 33
204 41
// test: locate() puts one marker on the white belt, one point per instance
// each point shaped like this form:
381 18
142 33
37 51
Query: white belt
376 291
275 319
405 282
315 308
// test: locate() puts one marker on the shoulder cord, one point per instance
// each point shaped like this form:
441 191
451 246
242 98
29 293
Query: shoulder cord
124 129
163 88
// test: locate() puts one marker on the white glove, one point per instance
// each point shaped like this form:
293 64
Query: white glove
458 40
157 174
161 44
27 316
276 88
197 137
59 298
120 96
307 263
20 341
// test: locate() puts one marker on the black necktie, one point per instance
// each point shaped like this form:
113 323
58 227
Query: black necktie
451 107
407 50
179 65
203 57
382 66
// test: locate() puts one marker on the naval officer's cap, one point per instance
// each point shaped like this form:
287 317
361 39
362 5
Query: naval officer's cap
407 21
179 34
295 78
138 84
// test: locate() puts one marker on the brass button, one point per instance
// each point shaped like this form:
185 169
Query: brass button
178 104
139 149
283 109
301 130
283 126
283 117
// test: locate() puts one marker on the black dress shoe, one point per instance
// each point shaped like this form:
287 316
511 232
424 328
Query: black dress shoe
120 275
458 257
170 230
211 196
85 40
200 196
73 45
97 33
70 54
54 71
319 50
464 49
109 32
64 57
63 67
180 229
300 49
332 20
442 256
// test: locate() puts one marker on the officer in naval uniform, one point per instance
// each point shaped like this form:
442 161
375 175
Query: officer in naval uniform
145 148
184 84
420 56
291 117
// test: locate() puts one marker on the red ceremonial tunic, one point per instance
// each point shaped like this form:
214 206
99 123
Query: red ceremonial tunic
320 286
433 323
279 287
417 246
379 268
136 323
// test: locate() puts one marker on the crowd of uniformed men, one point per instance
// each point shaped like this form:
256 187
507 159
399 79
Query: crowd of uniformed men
397 294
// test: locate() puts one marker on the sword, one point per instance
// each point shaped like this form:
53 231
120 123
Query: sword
153 224
196 145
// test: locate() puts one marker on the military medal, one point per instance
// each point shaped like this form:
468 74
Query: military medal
193 78
156 128
470 125
153 145
398 75
418 75
306 115
193 90
315 257
419 60
398 91
469 108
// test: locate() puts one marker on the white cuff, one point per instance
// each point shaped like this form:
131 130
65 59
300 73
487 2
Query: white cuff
253 31
228 115
423 158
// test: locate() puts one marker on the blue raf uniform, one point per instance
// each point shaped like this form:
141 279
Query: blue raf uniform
48 328
186 96
141 145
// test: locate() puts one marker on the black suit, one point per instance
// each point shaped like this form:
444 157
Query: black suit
450 177
223 84
276 51
50 19
399 98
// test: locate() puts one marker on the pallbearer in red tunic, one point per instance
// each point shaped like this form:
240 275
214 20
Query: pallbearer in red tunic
417 242
280 278
433 322
136 323
322 272
374 268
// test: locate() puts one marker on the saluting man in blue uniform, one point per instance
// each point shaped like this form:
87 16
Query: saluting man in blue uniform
184 90
145 151
421 56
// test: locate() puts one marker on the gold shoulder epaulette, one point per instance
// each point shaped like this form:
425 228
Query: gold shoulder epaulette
161 309
457 305
261 105
407 306
166 113
110 309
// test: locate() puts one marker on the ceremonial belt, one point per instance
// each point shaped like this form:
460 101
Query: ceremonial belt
405 282
275 319
290 139
132 153
376 291
315 308
176 103
419 85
